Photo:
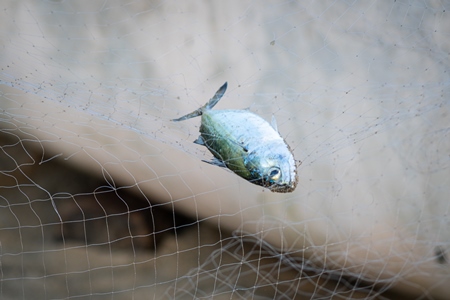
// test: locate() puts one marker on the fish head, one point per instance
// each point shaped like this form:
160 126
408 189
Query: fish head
280 174
275 169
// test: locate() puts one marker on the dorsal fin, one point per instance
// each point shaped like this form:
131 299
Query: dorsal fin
274 123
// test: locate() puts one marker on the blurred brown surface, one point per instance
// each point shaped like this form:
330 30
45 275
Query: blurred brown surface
99 241
107 242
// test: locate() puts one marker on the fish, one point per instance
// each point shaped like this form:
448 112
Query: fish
246 144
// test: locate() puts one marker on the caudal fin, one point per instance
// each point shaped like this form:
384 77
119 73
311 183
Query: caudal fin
217 96
210 104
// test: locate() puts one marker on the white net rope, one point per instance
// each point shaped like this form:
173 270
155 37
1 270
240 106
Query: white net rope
103 197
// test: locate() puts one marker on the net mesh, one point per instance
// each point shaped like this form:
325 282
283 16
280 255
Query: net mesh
102 196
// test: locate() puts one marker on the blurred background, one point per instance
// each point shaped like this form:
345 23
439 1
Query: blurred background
103 197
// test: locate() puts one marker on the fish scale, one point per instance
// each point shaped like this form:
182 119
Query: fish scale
247 145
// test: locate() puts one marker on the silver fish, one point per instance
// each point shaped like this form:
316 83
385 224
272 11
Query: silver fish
246 144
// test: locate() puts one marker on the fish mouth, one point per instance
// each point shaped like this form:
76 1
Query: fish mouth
282 188
285 187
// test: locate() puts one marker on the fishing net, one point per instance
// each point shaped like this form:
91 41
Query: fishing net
102 196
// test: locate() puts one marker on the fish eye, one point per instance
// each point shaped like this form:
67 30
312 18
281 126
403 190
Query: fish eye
274 173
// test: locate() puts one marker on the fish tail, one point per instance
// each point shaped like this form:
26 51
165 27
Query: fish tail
195 113
210 104
217 96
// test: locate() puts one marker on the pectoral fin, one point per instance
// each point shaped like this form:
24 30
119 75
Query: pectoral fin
216 162
200 141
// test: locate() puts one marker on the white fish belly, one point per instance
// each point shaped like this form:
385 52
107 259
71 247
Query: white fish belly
243 127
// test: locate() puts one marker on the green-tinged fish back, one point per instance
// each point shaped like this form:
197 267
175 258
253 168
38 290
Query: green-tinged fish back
222 143
246 144
210 104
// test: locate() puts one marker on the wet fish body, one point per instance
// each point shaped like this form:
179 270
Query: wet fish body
247 145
